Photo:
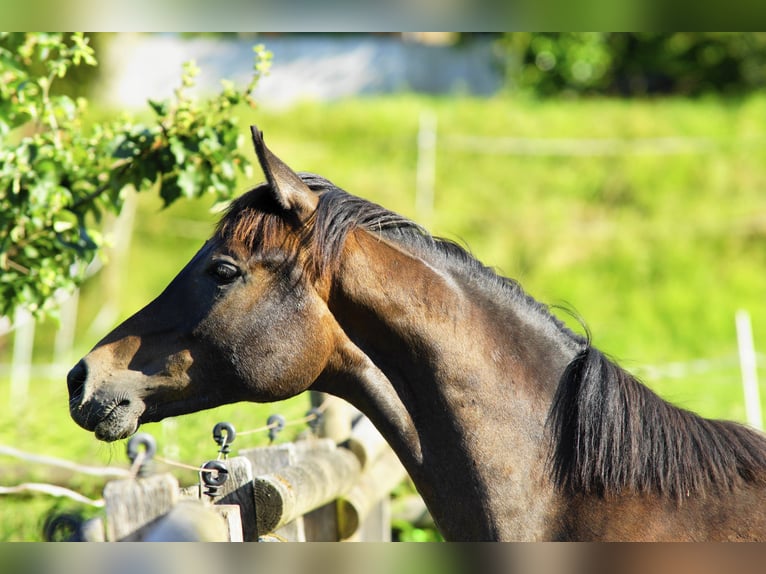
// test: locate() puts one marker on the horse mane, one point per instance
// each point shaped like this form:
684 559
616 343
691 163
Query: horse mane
610 434
254 220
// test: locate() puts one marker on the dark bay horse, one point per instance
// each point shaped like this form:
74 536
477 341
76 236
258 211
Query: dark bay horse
512 426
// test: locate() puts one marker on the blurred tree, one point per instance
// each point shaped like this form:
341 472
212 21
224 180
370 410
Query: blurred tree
635 64
58 177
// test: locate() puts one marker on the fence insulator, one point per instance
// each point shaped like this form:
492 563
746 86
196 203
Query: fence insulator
223 435
62 528
214 480
279 423
150 448
313 423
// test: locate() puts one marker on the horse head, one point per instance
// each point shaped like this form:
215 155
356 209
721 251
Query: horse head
243 320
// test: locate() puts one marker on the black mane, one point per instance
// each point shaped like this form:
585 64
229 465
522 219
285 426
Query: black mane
611 434
340 212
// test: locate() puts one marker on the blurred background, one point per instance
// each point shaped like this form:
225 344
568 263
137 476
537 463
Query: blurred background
621 176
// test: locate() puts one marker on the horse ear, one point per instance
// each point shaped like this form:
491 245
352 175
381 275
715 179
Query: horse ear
287 187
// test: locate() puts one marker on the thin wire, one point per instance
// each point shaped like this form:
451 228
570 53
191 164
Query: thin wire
137 463
52 490
223 446
323 405
182 465
61 463
259 429
308 418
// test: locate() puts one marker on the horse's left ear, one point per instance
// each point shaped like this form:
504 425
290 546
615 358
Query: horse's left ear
287 187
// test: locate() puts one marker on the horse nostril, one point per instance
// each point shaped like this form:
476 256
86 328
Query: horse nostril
76 378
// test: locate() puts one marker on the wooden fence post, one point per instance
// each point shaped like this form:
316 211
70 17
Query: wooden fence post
322 523
238 490
364 514
366 442
195 521
132 504
368 499
262 461
336 416
314 481
93 530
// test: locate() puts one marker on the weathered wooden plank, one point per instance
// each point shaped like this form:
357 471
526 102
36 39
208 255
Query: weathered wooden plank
93 530
366 442
317 479
238 490
266 459
232 518
376 526
193 491
132 504
189 521
313 446
293 531
336 416
321 524
374 484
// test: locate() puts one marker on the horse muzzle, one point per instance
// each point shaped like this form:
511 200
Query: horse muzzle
110 413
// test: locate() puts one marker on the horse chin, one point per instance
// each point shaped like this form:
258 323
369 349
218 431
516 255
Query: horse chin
108 432
120 423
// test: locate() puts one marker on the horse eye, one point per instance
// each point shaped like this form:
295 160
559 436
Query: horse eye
224 272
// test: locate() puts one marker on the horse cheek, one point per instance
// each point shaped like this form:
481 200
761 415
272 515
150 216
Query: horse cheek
306 345
282 347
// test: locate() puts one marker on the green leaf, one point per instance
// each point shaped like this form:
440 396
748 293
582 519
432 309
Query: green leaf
178 149
189 182
65 220
160 107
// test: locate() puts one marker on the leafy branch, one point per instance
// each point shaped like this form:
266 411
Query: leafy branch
58 177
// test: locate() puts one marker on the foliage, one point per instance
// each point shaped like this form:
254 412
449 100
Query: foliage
58 177
635 63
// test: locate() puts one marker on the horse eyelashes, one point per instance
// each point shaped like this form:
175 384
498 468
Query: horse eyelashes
224 272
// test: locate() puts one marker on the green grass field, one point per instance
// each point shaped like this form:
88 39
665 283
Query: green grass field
655 251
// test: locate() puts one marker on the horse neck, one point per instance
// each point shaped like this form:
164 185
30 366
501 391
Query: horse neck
461 389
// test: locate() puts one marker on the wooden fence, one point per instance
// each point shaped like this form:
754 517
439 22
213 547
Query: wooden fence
331 485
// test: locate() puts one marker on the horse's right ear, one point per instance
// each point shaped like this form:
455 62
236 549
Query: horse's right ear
287 187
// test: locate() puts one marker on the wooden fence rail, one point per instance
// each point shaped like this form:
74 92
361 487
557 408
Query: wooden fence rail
313 489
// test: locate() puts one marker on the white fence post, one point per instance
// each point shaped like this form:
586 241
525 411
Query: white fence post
426 167
21 368
747 361
121 229
64 342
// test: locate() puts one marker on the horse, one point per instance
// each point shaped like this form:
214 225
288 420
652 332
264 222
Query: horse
511 425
